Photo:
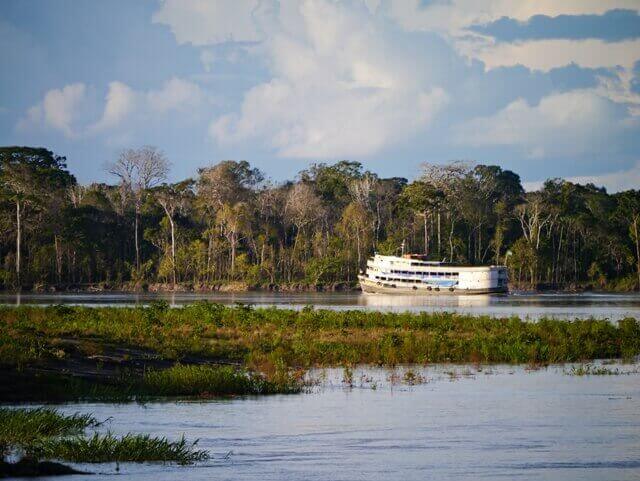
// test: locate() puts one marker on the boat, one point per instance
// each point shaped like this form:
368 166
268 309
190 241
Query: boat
414 274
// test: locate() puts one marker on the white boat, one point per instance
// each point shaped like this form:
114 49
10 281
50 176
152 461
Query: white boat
413 274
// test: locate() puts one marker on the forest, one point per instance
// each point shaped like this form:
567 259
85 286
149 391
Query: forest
231 227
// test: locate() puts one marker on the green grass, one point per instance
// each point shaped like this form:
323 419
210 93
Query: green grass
44 433
104 448
267 337
591 370
183 380
23 427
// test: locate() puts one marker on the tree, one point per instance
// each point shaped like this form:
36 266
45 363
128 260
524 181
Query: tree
629 210
173 198
423 198
30 177
138 171
233 220
302 208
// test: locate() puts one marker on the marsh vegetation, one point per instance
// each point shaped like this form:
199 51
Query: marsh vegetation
34 435
208 349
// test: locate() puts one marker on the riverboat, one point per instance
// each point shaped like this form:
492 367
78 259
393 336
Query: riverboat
414 274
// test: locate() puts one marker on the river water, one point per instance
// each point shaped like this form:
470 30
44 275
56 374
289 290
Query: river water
525 305
498 423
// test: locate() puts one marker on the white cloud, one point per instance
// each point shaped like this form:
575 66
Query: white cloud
455 16
206 22
122 107
58 110
176 94
565 124
617 181
545 55
342 86
119 103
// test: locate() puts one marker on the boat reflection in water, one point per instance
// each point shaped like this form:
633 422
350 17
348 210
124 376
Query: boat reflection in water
432 302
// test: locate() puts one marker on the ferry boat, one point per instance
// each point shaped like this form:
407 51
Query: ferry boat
413 274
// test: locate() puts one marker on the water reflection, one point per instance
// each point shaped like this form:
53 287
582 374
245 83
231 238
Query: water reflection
417 302
525 305
501 422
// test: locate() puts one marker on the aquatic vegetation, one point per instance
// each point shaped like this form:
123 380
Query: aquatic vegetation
413 378
274 341
22 427
591 370
104 448
183 380
45 433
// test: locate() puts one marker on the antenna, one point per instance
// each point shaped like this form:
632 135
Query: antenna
402 248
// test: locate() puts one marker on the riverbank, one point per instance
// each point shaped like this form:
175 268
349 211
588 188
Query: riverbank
294 287
209 349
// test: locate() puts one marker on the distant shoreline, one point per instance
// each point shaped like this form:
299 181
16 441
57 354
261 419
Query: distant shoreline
240 287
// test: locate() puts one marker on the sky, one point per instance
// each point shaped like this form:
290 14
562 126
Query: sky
545 88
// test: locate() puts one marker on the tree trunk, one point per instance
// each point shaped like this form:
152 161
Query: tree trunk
18 242
136 240
233 253
439 255
635 234
451 241
426 234
58 259
173 250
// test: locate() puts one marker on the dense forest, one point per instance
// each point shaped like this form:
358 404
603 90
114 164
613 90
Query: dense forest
233 228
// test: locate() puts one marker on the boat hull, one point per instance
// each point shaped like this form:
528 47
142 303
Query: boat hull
371 287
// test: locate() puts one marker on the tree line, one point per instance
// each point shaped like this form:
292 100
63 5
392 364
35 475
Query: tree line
232 226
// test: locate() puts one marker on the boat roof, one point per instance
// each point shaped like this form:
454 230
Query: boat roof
419 259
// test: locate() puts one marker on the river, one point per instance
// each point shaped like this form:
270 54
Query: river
498 423
525 305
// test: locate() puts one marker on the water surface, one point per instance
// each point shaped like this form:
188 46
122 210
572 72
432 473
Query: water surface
526 305
499 423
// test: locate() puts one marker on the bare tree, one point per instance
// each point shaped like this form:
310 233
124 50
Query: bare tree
302 208
139 170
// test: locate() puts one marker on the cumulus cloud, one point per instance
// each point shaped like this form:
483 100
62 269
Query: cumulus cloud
60 108
342 86
119 103
570 123
548 54
176 94
57 110
206 22
456 16
616 181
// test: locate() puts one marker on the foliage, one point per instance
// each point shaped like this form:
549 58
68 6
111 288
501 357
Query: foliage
230 225
44 433
274 340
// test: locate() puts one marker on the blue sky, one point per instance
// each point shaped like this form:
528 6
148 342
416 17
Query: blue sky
542 87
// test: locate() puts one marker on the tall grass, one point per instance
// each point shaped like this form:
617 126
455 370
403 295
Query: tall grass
44 433
183 380
266 337
23 427
104 448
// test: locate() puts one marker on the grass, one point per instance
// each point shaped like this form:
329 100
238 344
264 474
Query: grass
202 381
267 337
181 380
591 370
104 448
45 433
23 427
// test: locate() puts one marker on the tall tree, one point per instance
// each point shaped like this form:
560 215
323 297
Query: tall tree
629 210
29 178
138 171
174 198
